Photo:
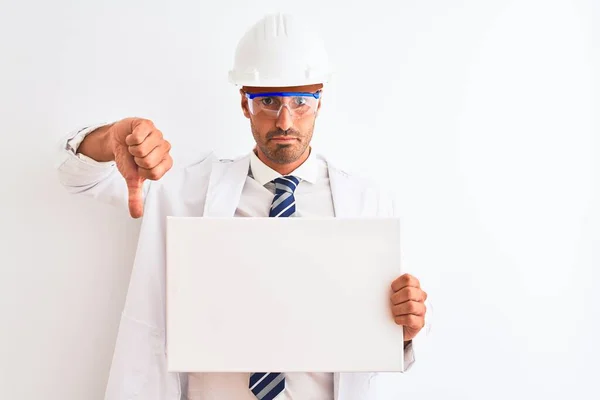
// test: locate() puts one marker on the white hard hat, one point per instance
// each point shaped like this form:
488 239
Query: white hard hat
281 50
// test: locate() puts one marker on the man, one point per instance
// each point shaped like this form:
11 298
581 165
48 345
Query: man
282 68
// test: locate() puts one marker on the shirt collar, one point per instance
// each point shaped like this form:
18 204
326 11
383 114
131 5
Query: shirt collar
263 174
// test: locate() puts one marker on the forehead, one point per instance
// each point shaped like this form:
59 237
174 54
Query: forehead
307 88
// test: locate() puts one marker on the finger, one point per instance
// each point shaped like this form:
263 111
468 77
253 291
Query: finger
136 202
157 172
152 159
405 280
153 140
140 130
409 307
408 293
412 321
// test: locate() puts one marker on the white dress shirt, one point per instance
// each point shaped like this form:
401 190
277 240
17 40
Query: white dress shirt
313 199
313 194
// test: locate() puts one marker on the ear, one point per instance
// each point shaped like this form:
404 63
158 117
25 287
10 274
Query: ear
244 104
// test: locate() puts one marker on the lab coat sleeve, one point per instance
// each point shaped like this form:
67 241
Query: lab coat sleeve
420 340
80 174
380 385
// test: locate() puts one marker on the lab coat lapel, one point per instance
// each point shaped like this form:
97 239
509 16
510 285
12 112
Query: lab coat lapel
348 202
347 195
225 187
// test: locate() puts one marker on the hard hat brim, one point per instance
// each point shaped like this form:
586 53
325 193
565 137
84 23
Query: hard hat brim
246 80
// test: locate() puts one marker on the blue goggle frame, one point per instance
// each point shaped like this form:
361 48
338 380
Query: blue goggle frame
251 96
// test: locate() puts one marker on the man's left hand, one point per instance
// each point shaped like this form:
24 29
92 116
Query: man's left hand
408 305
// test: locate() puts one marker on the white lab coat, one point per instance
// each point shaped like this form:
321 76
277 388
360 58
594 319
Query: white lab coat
210 187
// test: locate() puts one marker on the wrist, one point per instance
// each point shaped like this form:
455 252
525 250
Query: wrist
98 145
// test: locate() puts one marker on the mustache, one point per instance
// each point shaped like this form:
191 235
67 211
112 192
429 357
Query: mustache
281 132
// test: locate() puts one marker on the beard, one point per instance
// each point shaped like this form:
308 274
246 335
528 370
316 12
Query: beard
283 153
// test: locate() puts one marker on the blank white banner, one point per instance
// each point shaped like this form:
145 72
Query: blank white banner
293 294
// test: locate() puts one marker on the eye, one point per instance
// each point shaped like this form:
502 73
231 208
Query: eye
299 101
267 101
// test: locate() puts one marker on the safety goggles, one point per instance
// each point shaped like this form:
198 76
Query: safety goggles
269 105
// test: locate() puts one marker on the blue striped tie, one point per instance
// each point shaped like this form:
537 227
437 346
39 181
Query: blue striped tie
284 203
267 385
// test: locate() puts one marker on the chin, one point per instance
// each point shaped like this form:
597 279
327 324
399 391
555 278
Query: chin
284 157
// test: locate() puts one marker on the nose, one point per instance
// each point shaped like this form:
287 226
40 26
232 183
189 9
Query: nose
284 119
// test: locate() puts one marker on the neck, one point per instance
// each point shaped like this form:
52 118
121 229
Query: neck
283 169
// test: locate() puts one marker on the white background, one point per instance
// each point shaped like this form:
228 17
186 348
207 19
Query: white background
481 115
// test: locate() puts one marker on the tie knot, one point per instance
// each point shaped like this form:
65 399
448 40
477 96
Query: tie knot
287 183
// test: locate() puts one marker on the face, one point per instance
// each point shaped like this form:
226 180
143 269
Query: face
283 139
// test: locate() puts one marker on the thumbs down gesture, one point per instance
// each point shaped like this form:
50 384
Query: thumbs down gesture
140 152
